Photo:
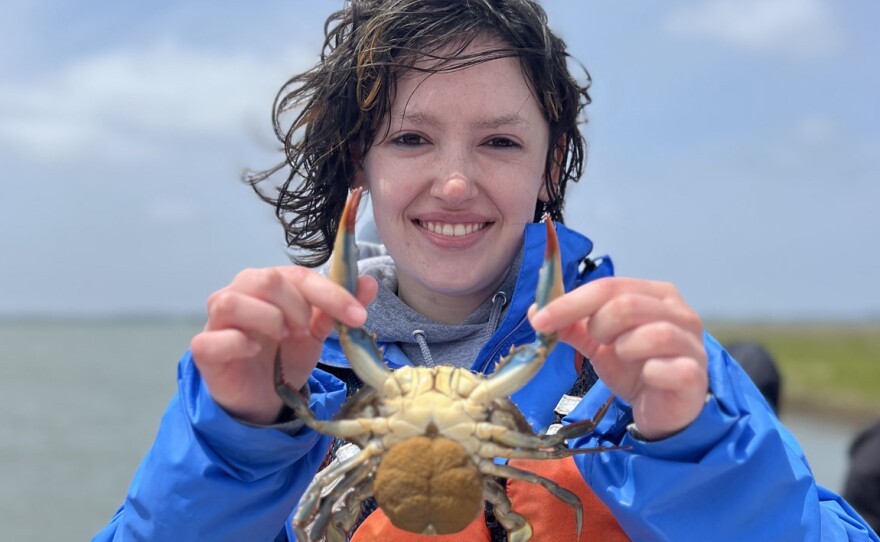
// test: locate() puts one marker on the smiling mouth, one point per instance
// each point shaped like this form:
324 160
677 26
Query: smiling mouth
452 230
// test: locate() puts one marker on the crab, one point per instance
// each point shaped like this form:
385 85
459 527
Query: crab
427 437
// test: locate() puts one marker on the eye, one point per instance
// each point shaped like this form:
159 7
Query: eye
409 140
502 142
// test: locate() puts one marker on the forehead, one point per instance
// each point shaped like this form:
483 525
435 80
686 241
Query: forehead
493 86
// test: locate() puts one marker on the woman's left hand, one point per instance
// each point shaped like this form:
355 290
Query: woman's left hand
644 342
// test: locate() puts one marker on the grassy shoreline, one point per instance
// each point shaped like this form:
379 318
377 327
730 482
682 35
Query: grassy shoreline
828 369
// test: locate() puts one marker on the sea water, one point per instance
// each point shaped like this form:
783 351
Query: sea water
81 402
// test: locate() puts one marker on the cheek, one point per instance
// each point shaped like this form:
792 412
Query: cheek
389 208
390 183
388 199
519 202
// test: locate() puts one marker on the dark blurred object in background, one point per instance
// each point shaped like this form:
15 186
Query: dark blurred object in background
862 487
761 368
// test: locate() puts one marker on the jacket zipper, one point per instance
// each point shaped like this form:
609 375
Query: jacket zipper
495 351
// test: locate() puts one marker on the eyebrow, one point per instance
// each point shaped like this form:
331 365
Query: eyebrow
421 118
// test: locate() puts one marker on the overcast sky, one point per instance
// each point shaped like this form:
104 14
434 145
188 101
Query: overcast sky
734 149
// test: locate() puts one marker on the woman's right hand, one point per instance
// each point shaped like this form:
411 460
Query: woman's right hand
262 310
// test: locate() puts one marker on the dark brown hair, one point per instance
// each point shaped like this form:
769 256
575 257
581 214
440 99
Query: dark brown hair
340 104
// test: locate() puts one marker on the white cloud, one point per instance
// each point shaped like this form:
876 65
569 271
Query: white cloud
122 103
799 28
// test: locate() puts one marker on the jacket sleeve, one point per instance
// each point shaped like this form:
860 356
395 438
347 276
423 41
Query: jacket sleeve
735 473
210 477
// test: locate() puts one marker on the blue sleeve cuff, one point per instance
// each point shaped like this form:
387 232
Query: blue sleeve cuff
732 397
249 452
669 489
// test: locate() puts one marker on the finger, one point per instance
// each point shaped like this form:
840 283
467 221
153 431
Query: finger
231 309
273 286
631 310
680 373
322 323
577 336
213 348
656 339
590 297
321 292
367 289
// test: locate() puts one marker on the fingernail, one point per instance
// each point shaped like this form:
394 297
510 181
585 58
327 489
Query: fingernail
356 314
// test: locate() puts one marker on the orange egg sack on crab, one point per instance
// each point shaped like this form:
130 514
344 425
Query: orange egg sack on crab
429 485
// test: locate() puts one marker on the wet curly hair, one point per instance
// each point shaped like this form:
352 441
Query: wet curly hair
341 103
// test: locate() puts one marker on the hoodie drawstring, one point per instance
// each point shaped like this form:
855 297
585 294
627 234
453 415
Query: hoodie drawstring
419 336
499 300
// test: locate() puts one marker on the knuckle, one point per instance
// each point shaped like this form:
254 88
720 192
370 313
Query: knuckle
611 284
267 280
691 319
297 271
692 374
669 289
665 336
223 303
296 274
626 306
199 346
257 279
212 299
246 275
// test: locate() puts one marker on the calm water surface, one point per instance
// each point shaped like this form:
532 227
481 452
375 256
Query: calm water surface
81 403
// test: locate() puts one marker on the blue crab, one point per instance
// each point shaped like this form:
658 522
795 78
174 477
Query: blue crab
427 437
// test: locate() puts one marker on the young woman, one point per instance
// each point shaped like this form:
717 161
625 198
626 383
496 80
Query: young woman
460 119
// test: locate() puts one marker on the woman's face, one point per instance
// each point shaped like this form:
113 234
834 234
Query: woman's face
455 180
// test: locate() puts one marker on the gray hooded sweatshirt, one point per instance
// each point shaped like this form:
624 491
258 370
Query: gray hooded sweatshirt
423 340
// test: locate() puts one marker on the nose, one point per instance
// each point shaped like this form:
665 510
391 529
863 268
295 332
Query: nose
454 182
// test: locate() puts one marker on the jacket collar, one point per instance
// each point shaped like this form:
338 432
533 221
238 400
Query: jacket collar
514 328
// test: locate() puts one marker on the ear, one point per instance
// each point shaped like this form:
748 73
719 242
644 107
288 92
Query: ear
555 169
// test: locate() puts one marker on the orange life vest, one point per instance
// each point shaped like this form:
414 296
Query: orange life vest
550 518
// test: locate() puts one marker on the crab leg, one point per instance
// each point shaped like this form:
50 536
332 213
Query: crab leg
350 511
524 362
506 471
580 428
551 452
342 428
329 500
518 528
537 448
306 512
499 433
359 346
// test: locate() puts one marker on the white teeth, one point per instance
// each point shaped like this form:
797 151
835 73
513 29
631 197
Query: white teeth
452 230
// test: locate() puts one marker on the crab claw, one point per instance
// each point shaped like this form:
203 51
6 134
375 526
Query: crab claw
523 363
359 346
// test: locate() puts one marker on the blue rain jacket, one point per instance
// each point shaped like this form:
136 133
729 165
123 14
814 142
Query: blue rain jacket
734 474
